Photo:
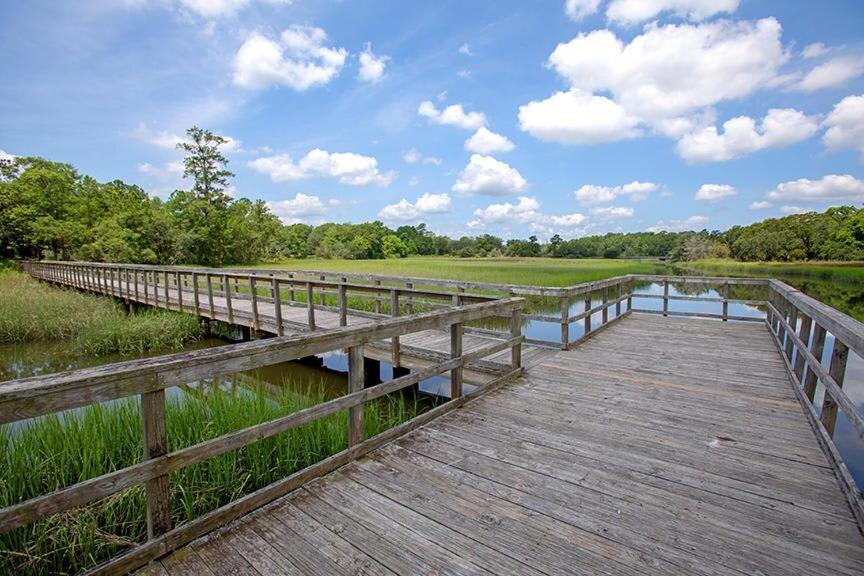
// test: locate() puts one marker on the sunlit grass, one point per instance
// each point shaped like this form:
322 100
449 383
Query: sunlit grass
52 452
32 311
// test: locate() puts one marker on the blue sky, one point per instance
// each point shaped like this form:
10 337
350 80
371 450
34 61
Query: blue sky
573 117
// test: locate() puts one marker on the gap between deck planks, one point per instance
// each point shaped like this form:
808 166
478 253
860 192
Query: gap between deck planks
660 446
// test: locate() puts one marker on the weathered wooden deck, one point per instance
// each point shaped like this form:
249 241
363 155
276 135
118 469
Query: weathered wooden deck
659 446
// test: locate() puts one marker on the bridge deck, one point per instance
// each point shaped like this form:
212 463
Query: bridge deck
659 446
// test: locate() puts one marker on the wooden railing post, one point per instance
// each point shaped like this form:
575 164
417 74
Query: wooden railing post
253 288
618 299
210 296
291 287
725 294
587 312
793 322
155 445
816 348
226 287
323 291
165 290
394 341
310 306
605 314
195 296
665 298
632 289
343 304
804 335
377 298
356 382
456 331
410 307
277 306
565 321
837 371
179 283
515 332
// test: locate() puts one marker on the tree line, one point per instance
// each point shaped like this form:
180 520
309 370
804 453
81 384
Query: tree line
50 210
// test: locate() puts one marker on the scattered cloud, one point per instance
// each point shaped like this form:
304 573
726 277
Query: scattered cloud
484 141
414 181
294 210
207 9
464 73
577 117
347 167
831 74
413 156
845 125
789 209
169 171
814 50
829 188
371 66
742 136
525 211
484 175
466 49
691 223
667 78
593 194
425 204
453 115
299 60
573 220
578 9
715 192
613 212
629 12
760 205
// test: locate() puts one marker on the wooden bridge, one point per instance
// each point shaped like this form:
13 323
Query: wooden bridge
651 445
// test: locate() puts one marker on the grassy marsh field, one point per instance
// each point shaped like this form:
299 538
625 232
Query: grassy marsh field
530 271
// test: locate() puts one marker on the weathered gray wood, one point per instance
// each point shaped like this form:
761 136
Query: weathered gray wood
565 321
666 298
310 308
817 346
516 332
343 305
356 382
837 371
394 342
277 306
253 288
456 352
155 446
587 312
804 336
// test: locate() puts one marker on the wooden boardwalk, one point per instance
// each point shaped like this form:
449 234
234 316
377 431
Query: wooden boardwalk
659 446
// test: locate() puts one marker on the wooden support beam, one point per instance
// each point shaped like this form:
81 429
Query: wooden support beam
226 288
310 306
394 341
588 312
356 382
343 304
665 298
516 331
837 371
804 336
565 322
456 332
277 306
253 287
817 347
156 445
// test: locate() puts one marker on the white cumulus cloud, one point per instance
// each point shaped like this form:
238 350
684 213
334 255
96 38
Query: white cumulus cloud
846 125
484 175
831 74
425 204
577 117
412 156
613 212
347 167
525 211
760 205
453 115
829 188
664 74
715 192
371 66
578 9
814 50
485 141
691 223
594 194
295 209
299 59
634 11
741 136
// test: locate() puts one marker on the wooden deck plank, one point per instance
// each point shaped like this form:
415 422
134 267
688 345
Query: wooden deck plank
661 445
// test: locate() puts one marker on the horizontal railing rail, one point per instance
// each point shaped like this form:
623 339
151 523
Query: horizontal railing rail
801 326
723 285
148 378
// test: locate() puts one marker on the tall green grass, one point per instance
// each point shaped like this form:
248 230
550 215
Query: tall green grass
32 311
52 452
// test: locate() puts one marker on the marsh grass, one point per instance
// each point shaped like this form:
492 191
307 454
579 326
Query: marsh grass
52 452
31 311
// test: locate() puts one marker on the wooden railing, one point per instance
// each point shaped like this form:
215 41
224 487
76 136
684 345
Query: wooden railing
802 328
722 284
149 378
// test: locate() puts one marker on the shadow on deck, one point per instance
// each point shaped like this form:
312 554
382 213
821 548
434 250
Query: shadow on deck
658 446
